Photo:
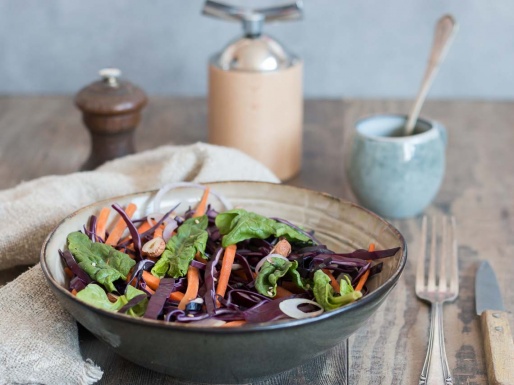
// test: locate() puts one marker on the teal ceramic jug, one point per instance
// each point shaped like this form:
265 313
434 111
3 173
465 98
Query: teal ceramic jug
393 175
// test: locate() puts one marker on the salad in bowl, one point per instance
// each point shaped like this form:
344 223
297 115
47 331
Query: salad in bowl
257 277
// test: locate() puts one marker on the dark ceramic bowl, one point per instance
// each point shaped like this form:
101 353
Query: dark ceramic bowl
237 355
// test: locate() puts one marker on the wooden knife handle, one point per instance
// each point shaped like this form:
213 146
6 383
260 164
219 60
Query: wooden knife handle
498 346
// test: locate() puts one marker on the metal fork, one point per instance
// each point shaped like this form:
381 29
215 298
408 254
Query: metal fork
441 285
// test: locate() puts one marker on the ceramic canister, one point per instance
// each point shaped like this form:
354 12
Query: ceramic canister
255 98
393 175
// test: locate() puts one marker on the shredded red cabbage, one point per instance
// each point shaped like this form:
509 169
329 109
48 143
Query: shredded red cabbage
92 228
74 267
157 300
265 311
198 264
77 284
133 302
136 239
246 298
151 230
210 275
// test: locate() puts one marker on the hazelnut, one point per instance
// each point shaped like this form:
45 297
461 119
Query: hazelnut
283 247
154 248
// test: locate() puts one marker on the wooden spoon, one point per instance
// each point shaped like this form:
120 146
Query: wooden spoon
445 30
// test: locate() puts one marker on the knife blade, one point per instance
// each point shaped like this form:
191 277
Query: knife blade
498 345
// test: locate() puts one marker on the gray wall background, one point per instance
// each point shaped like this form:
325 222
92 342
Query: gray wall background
351 48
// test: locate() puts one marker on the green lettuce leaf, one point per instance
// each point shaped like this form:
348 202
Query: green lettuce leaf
345 286
274 269
324 293
269 274
103 263
296 277
238 225
95 296
191 238
286 231
139 309
224 220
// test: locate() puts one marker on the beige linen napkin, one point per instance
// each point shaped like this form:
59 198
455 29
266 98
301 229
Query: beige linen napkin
38 339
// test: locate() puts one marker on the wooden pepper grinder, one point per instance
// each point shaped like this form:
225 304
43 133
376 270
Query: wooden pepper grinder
111 110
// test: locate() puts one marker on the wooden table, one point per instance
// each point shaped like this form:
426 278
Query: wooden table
44 135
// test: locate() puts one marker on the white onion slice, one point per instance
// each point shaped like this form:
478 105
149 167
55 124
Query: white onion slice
168 230
171 186
207 322
261 262
290 308
236 266
153 218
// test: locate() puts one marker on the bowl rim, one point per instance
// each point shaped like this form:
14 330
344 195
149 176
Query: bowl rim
249 328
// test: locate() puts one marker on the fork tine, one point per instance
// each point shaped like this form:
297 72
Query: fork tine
420 272
431 285
454 268
444 255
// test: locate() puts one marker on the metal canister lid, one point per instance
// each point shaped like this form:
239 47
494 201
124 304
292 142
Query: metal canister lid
254 54
254 51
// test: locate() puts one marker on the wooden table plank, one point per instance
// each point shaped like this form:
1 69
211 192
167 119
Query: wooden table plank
44 135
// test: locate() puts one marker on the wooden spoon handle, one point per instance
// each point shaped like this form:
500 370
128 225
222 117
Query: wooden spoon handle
499 347
444 32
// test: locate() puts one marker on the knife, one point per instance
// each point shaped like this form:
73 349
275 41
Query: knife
498 345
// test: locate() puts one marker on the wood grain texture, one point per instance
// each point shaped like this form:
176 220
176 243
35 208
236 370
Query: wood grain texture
44 135
499 347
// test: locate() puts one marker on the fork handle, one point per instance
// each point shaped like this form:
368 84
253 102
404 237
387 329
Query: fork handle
436 346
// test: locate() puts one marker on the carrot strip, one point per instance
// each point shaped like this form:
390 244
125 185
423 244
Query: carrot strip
68 272
333 281
149 289
193 282
144 226
202 206
151 280
101 222
120 226
233 324
226 269
362 281
176 296
364 277
74 292
158 231
281 293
